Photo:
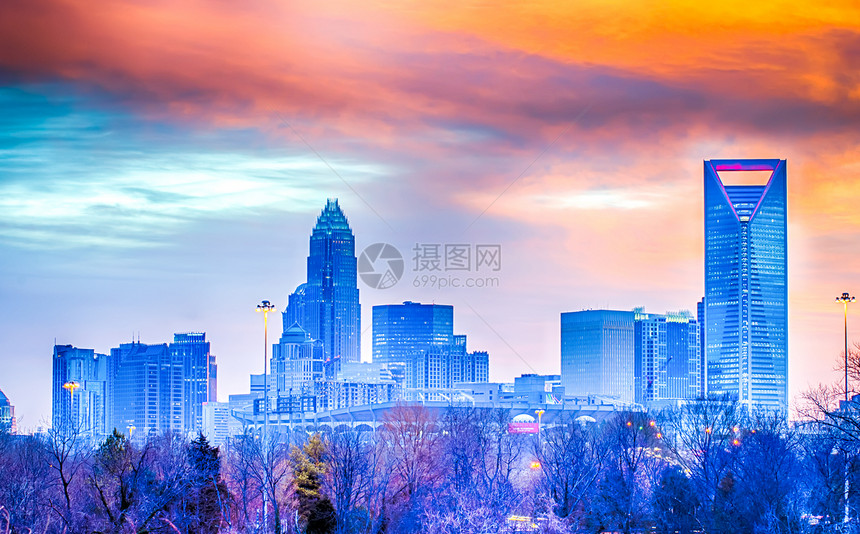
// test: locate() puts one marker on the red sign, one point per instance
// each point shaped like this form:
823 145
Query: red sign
522 428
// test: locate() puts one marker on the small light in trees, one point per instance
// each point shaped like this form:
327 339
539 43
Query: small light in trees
535 465
736 429
629 423
708 430
659 435
653 423
736 442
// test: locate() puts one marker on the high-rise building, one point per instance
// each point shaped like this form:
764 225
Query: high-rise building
667 366
7 415
703 355
746 282
199 376
155 388
416 342
216 422
597 353
402 330
81 390
148 389
296 364
327 306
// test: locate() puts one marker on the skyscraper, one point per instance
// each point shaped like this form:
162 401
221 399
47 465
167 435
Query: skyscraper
147 388
746 282
417 343
666 357
327 305
199 376
597 353
80 390
155 388
401 330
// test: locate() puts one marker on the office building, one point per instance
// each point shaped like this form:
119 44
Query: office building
81 390
667 365
402 330
703 359
161 387
199 376
416 342
297 363
7 415
368 372
216 422
746 282
538 389
327 306
148 389
597 354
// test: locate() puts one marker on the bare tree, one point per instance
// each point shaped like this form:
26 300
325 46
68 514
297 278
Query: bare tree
350 461
700 437
413 440
571 457
67 453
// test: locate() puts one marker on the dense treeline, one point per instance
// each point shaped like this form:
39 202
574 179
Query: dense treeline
706 467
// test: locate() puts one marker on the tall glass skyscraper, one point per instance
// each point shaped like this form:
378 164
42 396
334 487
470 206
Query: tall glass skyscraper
417 343
746 282
327 305
199 376
84 407
597 353
666 357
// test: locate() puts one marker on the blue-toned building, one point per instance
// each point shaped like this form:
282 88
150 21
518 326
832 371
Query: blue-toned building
416 342
401 330
631 356
7 415
666 357
161 387
199 376
327 306
84 404
296 364
597 354
746 282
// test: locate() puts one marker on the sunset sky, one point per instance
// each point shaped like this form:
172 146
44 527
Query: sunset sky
162 163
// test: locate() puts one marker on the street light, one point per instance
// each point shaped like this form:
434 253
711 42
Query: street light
265 307
72 386
845 299
539 413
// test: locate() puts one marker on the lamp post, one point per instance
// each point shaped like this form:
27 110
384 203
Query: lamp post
845 299
72 386
539 413
265 307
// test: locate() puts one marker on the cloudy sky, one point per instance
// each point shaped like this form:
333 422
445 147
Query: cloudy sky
162 163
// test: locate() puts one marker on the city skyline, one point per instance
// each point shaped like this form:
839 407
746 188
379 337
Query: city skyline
157 178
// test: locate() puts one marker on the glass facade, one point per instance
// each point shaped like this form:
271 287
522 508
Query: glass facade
597 353
399 330
198 376
746 284
86 407
667 357
7 415
416 342
327 305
